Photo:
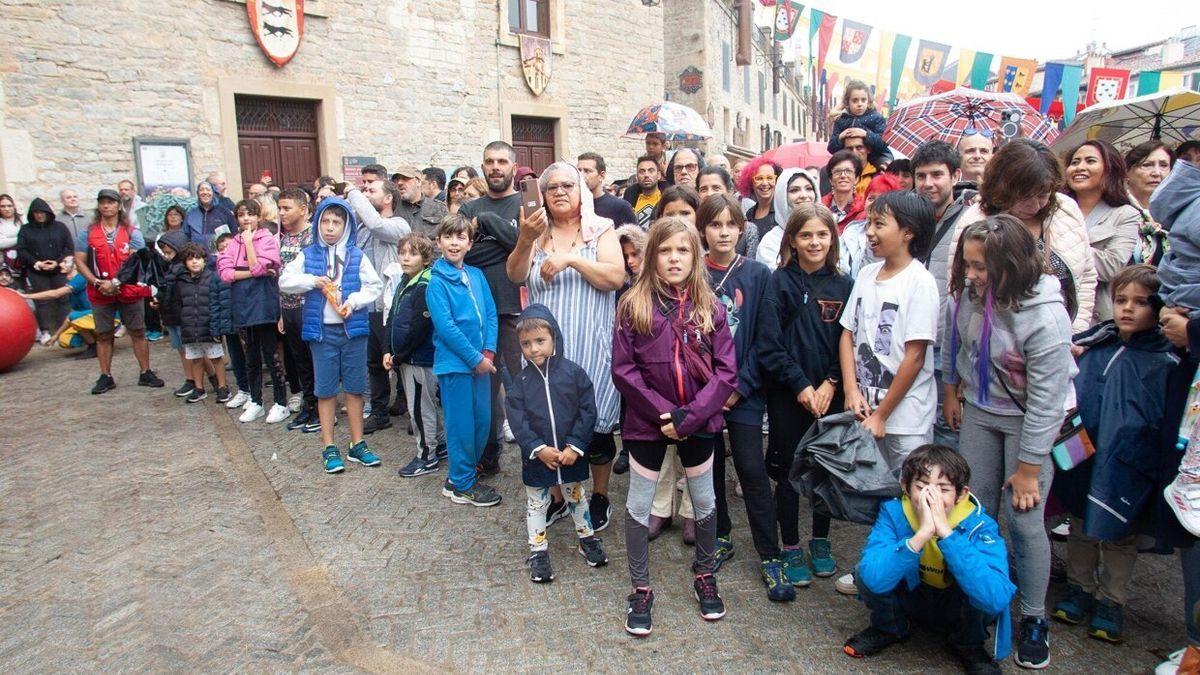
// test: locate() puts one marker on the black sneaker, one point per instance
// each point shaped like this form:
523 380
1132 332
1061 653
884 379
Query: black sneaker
621 464
486 469
185 389
442 453
637 617
375 423
1033 650
314 424
600 510
149 379
975 659
711 605
540 571
223 394
592 551
870 641
299 421
196 395
556 511
104 383
480 494
89 352
419 467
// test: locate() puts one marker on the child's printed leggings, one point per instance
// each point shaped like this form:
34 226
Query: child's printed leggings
645 461
537 501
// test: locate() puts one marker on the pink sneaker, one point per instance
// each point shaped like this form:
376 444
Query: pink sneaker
1184 499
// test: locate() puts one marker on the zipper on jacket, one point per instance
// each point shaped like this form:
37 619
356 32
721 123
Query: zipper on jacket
1112 360
550 407
678 346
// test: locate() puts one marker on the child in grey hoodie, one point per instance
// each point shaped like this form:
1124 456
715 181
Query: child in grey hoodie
1009 361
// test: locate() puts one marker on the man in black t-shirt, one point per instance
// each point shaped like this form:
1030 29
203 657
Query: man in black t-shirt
592 167
496 215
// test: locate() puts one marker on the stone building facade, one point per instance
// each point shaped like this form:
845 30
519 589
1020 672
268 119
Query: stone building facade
406 81
745 116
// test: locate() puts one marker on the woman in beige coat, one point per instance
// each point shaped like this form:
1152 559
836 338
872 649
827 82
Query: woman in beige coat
1096 181
1023 180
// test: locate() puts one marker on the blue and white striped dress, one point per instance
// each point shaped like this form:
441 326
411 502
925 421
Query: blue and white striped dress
586 316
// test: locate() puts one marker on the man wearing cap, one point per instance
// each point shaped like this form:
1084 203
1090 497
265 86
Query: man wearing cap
381 228
422 213
100 251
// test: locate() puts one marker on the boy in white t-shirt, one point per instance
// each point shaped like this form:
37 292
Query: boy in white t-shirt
890 325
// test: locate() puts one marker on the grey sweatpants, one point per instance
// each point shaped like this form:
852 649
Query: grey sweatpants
990 444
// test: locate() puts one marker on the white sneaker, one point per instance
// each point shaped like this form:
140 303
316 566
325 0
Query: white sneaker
1184 499
1061 531
845 585
278 414
239 399
295 402
46 339
253 411
508 434
1171 665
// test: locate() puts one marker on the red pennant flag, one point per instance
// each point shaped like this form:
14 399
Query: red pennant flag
1106 84
824 37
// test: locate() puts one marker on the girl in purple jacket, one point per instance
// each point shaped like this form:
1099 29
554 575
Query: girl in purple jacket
673 362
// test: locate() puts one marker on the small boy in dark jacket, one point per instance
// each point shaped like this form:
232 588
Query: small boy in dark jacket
936 557
193 304
221 325
160 270
552 410
410 336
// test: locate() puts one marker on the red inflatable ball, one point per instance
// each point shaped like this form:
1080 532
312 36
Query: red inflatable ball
18 329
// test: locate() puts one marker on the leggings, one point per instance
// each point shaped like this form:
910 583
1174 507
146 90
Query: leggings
645 461
237 360
991 444
537 502
746 442
260 342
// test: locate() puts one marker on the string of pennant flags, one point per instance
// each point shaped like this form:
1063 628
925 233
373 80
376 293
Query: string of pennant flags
930 65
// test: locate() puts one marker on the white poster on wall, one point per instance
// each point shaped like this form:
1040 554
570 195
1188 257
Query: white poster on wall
163 167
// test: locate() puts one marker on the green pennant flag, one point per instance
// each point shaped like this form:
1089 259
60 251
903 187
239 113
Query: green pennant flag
981 70
899 57
1148 82
814 24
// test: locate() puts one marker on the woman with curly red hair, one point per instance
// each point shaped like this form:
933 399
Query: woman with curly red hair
757 181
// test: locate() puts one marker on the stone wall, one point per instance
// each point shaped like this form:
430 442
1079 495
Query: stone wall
416 81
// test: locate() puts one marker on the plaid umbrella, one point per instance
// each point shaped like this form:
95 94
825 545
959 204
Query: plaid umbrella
676 121
954 114
1172 116
151 214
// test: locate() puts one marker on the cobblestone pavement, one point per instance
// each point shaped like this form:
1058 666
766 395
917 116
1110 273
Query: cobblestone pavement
141 533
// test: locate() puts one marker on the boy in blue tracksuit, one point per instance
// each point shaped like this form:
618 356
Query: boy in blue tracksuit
464 345
339 286
934 556
551 408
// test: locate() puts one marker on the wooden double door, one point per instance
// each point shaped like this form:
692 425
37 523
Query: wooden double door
533 139
279 136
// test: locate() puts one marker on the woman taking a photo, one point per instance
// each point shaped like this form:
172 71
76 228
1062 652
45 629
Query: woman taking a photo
1096 181
570 261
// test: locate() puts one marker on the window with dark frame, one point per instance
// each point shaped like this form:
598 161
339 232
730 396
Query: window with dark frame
531 17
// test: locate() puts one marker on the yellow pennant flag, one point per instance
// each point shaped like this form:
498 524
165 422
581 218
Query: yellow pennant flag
1170 80
966 58
1016 75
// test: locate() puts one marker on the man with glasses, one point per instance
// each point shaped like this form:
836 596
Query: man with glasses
591 166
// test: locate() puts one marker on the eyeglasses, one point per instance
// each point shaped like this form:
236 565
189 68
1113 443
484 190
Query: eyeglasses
842 172
690 168
764 179
972 131
560 187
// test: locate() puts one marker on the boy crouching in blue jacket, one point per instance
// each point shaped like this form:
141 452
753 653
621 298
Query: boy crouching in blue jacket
339 284
464 348
934 556
552 410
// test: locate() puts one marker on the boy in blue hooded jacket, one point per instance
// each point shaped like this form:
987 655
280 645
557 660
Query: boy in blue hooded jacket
936 557
339 286
551 408
464 348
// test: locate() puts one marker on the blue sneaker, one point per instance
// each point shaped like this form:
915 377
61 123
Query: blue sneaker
778 587
724 552
1075 606
795 567
821 558
359 452
333 460
154 335
1107 621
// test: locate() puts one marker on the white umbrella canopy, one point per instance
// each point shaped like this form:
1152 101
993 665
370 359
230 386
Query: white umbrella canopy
1172 116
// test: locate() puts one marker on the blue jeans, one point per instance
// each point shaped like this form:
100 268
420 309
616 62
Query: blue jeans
943 610
467 407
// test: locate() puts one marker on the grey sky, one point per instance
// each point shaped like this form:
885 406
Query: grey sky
1039 29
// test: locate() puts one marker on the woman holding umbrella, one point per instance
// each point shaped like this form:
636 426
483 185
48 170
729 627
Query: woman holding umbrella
1096 181
1147 165
1023 180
